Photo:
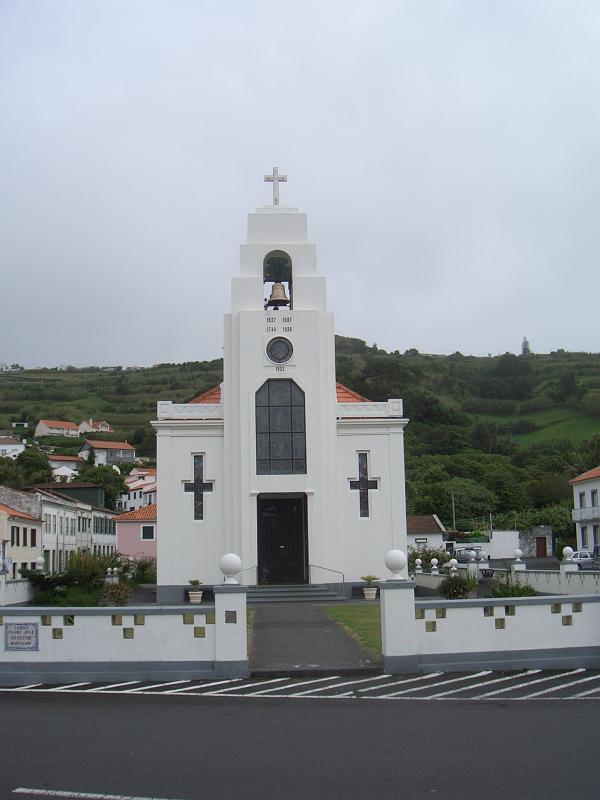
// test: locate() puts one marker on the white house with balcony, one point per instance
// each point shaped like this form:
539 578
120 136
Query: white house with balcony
300 476
586 514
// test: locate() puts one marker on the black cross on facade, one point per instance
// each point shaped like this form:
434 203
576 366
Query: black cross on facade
363 484
198 486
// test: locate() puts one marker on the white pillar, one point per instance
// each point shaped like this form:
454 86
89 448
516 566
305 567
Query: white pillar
231 649
398 633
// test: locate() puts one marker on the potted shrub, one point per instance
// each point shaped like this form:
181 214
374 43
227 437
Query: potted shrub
195 593
369 591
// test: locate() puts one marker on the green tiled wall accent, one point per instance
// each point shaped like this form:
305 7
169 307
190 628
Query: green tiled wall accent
577 608
440 613
430 626
139 619
555 608
1 620
419 613
567 619
210 618
57 633
200 632
500 624
68 619
188 619
510 611
116 619
128 633
46 619
488 611
231 617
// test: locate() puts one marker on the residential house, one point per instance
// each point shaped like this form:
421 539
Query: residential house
108 452
425 531
20 541
586 513
136 532
141 489
65 468
10 447
95 426
55 427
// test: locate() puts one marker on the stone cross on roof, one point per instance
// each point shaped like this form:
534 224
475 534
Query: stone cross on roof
275 178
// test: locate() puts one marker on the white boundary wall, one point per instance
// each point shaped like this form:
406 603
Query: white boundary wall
13 592
125 643
511 633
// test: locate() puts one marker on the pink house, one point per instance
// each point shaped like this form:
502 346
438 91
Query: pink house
136 532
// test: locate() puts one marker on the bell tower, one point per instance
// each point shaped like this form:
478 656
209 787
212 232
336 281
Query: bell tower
279 401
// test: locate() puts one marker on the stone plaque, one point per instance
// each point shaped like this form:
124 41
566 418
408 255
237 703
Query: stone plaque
21 636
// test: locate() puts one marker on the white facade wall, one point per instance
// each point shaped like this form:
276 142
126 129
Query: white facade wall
502 544
189 548
586 513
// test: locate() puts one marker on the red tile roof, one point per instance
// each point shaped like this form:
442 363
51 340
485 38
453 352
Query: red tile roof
66 458
143 514
343 395
20 514
211 396
586 476
98 445
56 423
423 524
8 440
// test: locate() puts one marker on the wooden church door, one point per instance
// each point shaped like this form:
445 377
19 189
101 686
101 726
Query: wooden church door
282 540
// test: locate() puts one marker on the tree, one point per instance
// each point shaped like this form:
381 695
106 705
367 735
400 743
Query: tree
525 348
110 480
34 467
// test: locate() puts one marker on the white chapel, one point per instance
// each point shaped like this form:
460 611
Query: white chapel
300 476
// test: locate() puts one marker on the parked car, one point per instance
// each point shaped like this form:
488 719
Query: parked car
463 554
583 558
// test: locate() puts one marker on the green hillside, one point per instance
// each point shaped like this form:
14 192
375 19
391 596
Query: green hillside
500 434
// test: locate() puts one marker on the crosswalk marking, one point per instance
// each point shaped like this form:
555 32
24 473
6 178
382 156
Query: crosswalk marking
439 683
560 687
156 686
111 686
531 684
406 680
521 685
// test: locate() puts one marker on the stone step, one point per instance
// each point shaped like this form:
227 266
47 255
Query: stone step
292 594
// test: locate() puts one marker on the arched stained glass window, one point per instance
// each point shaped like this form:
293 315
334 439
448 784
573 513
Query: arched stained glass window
280 429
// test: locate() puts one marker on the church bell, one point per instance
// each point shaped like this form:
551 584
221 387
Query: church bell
278 296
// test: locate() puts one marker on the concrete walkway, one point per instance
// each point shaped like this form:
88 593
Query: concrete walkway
300 639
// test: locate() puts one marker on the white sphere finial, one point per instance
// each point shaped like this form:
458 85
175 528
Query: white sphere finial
518 554
396 561
453 564
230 564
472 555
567 553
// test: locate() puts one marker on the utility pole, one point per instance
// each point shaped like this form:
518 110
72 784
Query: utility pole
453 512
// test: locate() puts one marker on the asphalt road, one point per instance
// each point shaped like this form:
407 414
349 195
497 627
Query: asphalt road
208 748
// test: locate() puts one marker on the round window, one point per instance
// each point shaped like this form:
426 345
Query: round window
280 350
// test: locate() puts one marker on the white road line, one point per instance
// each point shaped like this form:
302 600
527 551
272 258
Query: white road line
23 688
337 685
527 683
247 685
69 686
155 686
83 795
399 683
439 683
112 686
487 683
560 686
294 686
589 691
208 686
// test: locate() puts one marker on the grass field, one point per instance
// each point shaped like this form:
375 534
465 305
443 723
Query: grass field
554 424
362 621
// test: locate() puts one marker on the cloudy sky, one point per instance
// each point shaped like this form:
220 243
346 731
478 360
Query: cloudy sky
447 154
